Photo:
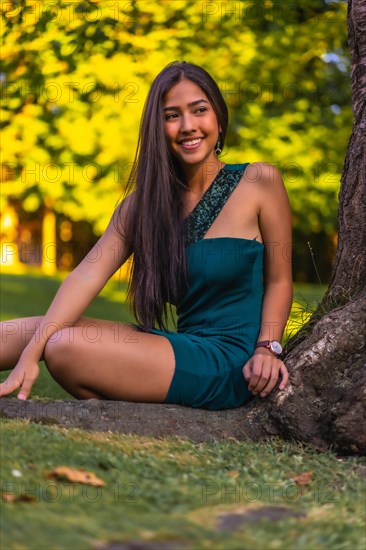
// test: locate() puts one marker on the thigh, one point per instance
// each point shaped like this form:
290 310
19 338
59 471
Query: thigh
114 360
15 334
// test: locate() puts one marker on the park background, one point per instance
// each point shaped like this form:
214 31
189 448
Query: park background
74 78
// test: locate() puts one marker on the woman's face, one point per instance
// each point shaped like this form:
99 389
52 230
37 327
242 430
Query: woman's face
191 124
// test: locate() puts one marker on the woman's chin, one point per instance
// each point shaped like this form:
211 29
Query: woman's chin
194 159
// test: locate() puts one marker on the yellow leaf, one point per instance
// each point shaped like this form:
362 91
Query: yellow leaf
303 479
76 476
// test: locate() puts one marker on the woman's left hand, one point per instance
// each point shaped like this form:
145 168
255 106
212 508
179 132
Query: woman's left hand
262 370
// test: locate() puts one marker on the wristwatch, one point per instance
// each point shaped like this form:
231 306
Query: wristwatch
273 346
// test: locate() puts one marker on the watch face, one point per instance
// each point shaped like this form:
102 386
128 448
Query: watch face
276 346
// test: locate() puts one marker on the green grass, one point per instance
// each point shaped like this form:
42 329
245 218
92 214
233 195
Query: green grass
173 489
28 295
165 489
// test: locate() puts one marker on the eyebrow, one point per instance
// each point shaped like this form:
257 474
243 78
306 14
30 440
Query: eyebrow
173 108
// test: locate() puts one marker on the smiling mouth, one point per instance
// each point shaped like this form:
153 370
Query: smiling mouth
191 143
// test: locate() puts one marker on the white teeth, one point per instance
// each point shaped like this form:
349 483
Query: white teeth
192 142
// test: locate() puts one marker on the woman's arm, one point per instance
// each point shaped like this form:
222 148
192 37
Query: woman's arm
276 228
74 295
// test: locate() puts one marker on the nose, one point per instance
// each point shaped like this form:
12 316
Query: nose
187 123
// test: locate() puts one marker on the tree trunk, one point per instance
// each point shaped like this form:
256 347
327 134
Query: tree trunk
326 404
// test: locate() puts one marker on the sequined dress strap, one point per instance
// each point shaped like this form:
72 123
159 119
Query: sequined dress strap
212 201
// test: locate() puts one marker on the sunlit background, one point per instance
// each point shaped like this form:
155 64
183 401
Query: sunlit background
74 79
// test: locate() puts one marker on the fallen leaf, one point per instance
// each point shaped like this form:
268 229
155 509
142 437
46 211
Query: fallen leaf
10 497
304 478
76 476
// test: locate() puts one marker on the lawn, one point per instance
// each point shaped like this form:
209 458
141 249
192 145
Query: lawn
222 495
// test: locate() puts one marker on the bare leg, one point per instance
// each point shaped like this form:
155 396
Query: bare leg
16 334
111 360
103 359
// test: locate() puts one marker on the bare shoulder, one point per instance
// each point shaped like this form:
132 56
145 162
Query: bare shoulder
266 184
263 174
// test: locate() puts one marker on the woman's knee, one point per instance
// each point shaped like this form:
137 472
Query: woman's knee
58 350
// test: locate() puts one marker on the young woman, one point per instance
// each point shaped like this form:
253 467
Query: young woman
213 239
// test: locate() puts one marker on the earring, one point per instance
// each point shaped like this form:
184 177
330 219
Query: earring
218 149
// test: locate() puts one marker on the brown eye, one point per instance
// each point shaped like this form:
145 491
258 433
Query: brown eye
168 117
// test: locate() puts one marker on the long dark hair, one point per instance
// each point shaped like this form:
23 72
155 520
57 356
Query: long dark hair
155 230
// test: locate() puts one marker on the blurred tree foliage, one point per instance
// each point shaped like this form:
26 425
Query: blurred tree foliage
75 76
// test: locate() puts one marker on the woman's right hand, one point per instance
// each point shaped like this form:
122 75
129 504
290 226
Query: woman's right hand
23 376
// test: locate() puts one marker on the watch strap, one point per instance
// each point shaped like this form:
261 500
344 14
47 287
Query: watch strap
266 344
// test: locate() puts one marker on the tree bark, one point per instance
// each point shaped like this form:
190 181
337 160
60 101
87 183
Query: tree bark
327 357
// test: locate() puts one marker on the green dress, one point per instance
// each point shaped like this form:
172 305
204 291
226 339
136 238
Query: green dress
219 314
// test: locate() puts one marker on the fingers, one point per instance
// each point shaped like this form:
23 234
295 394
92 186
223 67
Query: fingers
30 376
261 373
20 377
26 388
285 376
9 385
267 388
247 370
260 376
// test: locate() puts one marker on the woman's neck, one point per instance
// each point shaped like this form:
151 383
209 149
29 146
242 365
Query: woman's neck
200 177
